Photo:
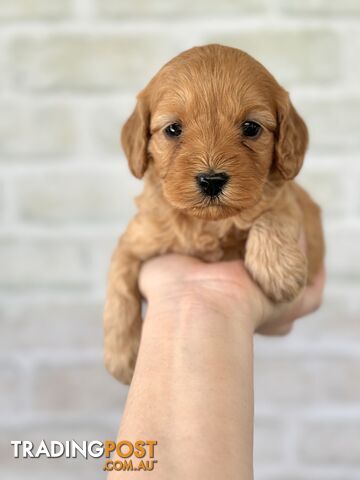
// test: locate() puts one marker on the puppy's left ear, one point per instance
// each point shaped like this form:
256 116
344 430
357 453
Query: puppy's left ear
292 139
135 136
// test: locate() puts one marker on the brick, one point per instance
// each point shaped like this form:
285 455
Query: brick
102 249
351 39
333 123
328 188
77 196
301 380
83 388
4 66
2 201
106 123
56 469
342 253
162 8
269 441
283 381
43 263
322 473
321 7
52 326
36 130
336 380
356 195
331 442
337 321
88 63
11 379
34 9
292 56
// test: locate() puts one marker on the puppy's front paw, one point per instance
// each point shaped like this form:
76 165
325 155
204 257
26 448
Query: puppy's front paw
280 270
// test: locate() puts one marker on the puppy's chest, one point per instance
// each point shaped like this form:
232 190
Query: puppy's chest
212 242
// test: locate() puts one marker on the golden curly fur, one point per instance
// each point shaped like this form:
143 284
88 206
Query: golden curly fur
210 92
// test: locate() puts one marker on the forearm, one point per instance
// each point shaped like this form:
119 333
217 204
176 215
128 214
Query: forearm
193 393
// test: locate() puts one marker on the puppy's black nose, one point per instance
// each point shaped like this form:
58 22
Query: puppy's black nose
211 184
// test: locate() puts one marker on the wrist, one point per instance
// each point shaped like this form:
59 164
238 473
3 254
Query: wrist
176 307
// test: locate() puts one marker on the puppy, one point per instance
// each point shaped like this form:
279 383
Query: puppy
218 143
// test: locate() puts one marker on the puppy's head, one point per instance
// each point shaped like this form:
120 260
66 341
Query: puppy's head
216 127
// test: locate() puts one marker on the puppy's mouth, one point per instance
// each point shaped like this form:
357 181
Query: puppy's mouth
208 196
213 210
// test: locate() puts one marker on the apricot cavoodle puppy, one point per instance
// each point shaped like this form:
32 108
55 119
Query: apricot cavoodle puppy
218 143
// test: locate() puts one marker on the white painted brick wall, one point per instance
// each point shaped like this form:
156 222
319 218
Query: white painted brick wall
69 73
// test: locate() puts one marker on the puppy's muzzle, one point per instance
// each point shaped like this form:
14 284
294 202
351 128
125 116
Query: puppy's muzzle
211 184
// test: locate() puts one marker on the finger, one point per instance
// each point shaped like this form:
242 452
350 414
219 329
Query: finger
275 329
310 300
313 294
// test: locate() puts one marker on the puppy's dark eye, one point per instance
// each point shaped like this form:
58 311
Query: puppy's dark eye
173 130
251 129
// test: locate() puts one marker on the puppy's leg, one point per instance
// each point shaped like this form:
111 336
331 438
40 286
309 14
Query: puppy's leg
273 256
122 315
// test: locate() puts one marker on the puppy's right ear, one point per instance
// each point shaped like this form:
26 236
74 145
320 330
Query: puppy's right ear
135 137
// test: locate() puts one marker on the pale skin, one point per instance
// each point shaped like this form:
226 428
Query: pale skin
192 389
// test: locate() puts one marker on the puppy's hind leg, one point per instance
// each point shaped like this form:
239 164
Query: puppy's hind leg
122 314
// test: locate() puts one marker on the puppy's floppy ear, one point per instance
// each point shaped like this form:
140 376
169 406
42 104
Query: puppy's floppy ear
135 136
292 139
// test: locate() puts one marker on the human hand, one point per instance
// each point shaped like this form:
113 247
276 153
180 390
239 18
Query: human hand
225 287
195 362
